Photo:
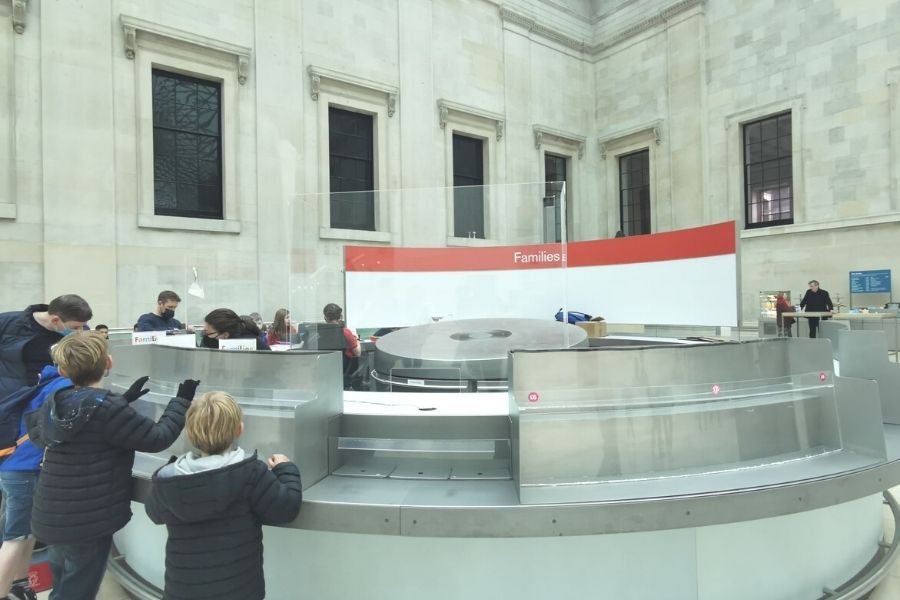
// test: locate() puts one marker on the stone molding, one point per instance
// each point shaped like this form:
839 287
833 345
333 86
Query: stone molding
317 74
19 11
566 138
131 26
508 15
445 107
652 130
513 17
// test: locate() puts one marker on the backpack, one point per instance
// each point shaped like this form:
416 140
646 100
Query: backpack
574 316
11 408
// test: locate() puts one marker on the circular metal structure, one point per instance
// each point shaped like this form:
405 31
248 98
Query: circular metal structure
464 355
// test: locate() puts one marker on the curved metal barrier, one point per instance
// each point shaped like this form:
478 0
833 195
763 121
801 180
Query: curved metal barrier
866 580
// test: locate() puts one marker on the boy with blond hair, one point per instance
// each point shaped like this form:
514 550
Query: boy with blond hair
90 434
215 494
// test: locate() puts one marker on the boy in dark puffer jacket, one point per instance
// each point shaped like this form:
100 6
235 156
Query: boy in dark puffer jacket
83 494
214 503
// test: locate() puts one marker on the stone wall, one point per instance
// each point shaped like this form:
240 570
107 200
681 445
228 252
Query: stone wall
587 80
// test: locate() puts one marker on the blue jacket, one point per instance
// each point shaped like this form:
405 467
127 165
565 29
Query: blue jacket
28 457
154 322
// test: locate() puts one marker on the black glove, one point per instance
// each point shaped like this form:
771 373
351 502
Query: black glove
135 391
187 389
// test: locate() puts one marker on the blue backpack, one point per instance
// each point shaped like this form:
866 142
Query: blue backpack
11 408
574 316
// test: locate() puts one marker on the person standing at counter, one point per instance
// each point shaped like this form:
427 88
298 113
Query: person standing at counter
220 492
815 300
163 316
225 324
783 323
89 436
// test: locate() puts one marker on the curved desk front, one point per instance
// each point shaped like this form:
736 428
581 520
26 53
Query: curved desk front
725 470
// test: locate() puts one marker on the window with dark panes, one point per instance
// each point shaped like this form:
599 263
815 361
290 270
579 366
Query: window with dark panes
352 169
768 172
634 193
554 178
187 146
468 179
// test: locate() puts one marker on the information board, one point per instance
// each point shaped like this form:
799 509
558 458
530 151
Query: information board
870 282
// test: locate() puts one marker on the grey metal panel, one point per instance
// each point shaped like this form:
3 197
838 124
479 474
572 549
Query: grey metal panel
829 329
859 409
592 423
863 354
287 398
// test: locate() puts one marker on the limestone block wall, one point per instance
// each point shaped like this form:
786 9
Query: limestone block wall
588 80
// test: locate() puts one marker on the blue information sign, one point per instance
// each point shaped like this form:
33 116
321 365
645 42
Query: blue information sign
870 282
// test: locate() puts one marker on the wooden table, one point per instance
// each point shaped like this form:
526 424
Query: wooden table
806 315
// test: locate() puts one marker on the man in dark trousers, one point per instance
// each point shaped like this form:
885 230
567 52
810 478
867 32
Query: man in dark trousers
815 300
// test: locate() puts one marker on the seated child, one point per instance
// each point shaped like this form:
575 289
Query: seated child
83 493
214 503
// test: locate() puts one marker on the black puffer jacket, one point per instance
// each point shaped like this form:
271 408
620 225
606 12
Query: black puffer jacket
215 519
84 490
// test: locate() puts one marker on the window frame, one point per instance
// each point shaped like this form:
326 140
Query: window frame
482 143
372 165
745 167
199 63
221 204
647 185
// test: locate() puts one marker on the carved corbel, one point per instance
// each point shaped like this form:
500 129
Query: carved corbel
500 125
130 41
314 82
243 66
391 104
538 139
602 150
443 114
581 150
657 137
18 15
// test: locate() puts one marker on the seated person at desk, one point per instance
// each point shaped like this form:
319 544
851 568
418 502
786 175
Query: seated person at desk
225 324
163 316
281 330
333 314
783 323
352 349
815 300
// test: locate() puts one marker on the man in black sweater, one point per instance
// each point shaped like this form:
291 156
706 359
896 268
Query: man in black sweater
815 300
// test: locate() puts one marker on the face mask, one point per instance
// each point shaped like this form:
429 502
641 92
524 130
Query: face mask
208 342
66 331
168 314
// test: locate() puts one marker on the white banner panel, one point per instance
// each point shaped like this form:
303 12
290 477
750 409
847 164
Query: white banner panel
687 277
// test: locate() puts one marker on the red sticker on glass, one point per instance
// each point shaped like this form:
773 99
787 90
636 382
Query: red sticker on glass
533 396
823 376
716 389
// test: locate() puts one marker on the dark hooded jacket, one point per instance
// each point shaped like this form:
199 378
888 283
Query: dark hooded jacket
91 434
214 519
19 366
